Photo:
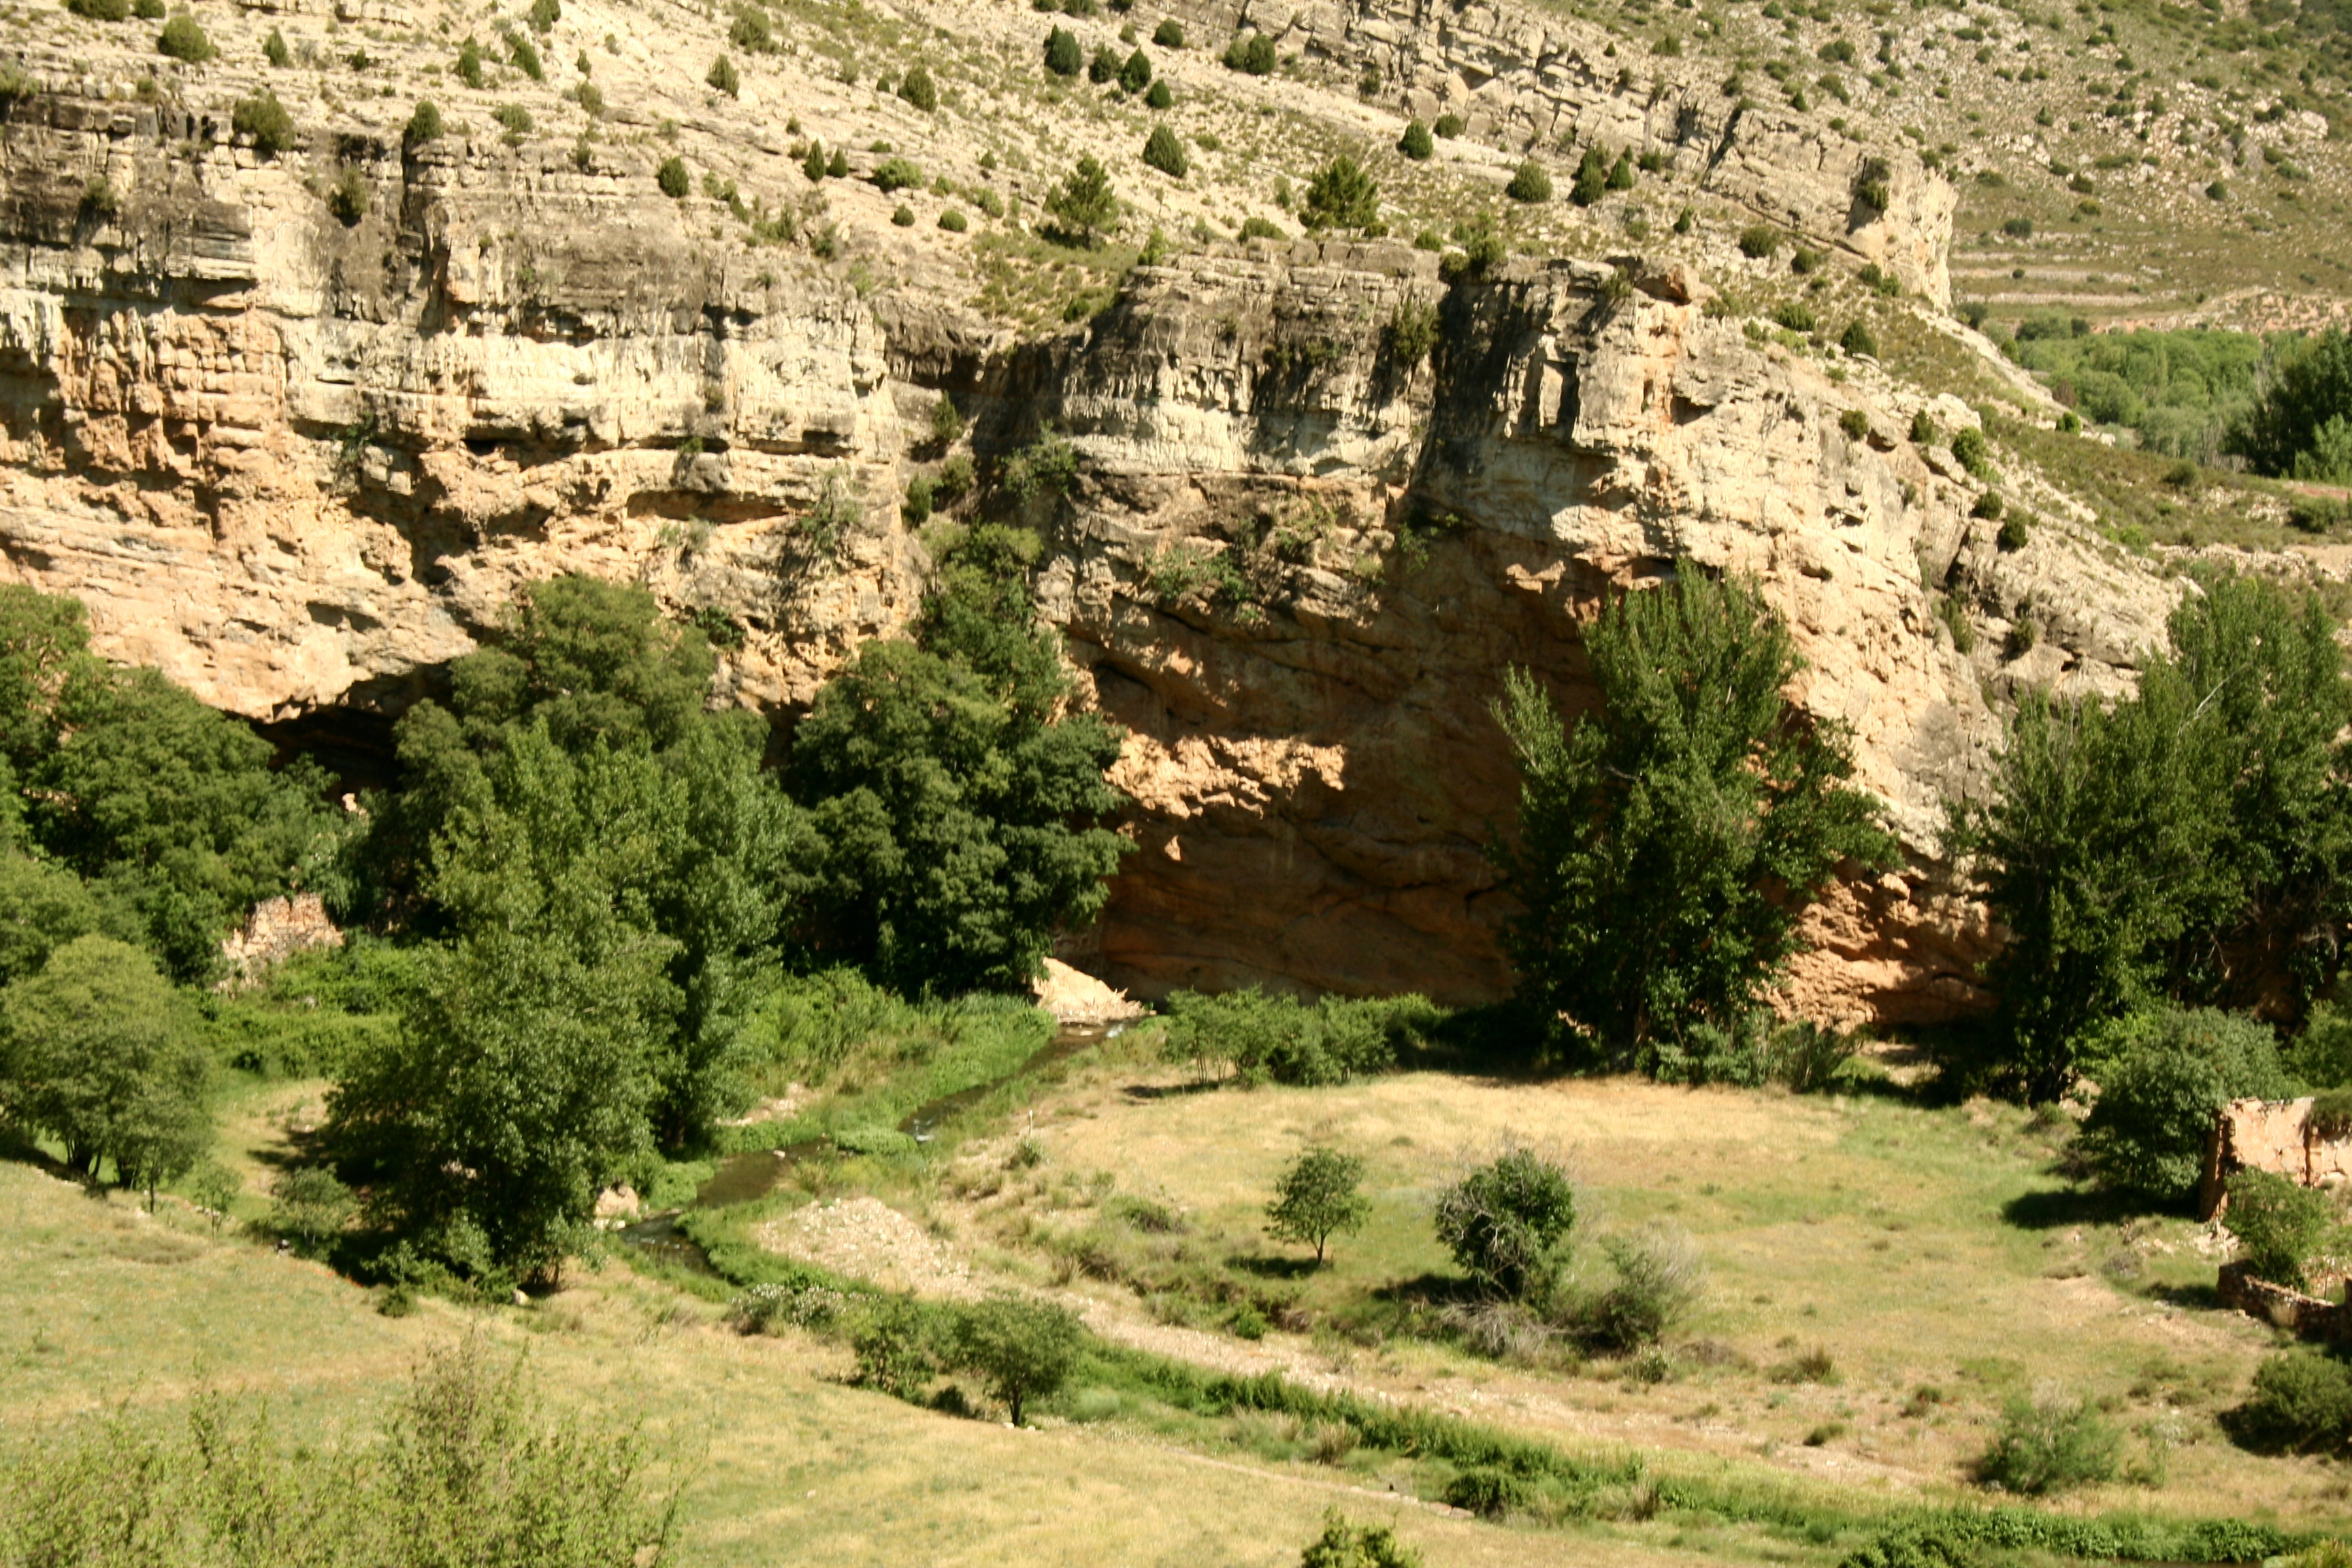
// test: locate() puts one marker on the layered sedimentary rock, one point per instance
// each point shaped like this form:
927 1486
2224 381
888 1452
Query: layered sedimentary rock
300 463
1302 557
301 456
1522 78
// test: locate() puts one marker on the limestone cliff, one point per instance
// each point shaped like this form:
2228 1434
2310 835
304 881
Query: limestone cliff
1300 563
295 422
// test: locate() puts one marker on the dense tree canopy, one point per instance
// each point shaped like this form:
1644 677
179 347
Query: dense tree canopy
1668 844
2300 421
2190 842
171 810
953 803
98 1053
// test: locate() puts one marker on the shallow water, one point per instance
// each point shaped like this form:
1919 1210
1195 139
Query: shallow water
755 1172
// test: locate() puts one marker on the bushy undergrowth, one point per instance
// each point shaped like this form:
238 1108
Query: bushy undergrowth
1255 1039
2162 1074
2050 1443
2300 1403
2282 1226
469 1468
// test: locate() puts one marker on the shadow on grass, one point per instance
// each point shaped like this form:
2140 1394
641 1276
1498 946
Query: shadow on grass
1270 1267
2203 1297
1151 1092
2075 1204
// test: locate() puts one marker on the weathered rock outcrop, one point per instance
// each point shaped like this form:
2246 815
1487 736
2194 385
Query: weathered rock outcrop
300 459
298 464
1528 80
1300 561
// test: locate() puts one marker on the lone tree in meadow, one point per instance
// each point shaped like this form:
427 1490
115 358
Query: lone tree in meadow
1024 1350
1669 844
1316 1198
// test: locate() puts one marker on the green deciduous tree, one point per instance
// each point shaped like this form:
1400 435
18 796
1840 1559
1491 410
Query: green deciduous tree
577 793
518 1088
1669 844
954 803
2300 421
2193 841
1025 1350
97 1052
2162 1074
1507 1223
1317 1198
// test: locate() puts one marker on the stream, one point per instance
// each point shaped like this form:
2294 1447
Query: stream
753 1174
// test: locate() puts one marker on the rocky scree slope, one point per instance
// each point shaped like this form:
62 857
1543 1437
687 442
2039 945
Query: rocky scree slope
295 422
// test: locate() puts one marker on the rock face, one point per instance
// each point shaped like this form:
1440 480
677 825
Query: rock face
1525 80
1302 557
297 464
2273 1135
300 457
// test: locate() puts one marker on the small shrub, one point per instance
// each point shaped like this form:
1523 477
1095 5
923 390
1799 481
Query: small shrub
424 124
469 63
1253 55
274 49
2018 228
895 175
917 89
1987 505
1162 152
953 221
1161 96
1758 241
349 198
1858 340
1796 316
1346 1544
751 30
723 77
1448 126
1489 1490
525 55
893 1340
1592 178
1507 1224
100 10
2049 1444
545 13
1815 1365
2281 1225
1659 1279
1854 424
903 217
1620 173
1969 450
2016 532
265 119
1169 34
1529 183
1103 67
100 201
954 481
514 119
1871 184
1341 195
1416 144
1410 333
1923 428
1135 73
673 179
1257 227
2300 1403
182 39
1062 55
